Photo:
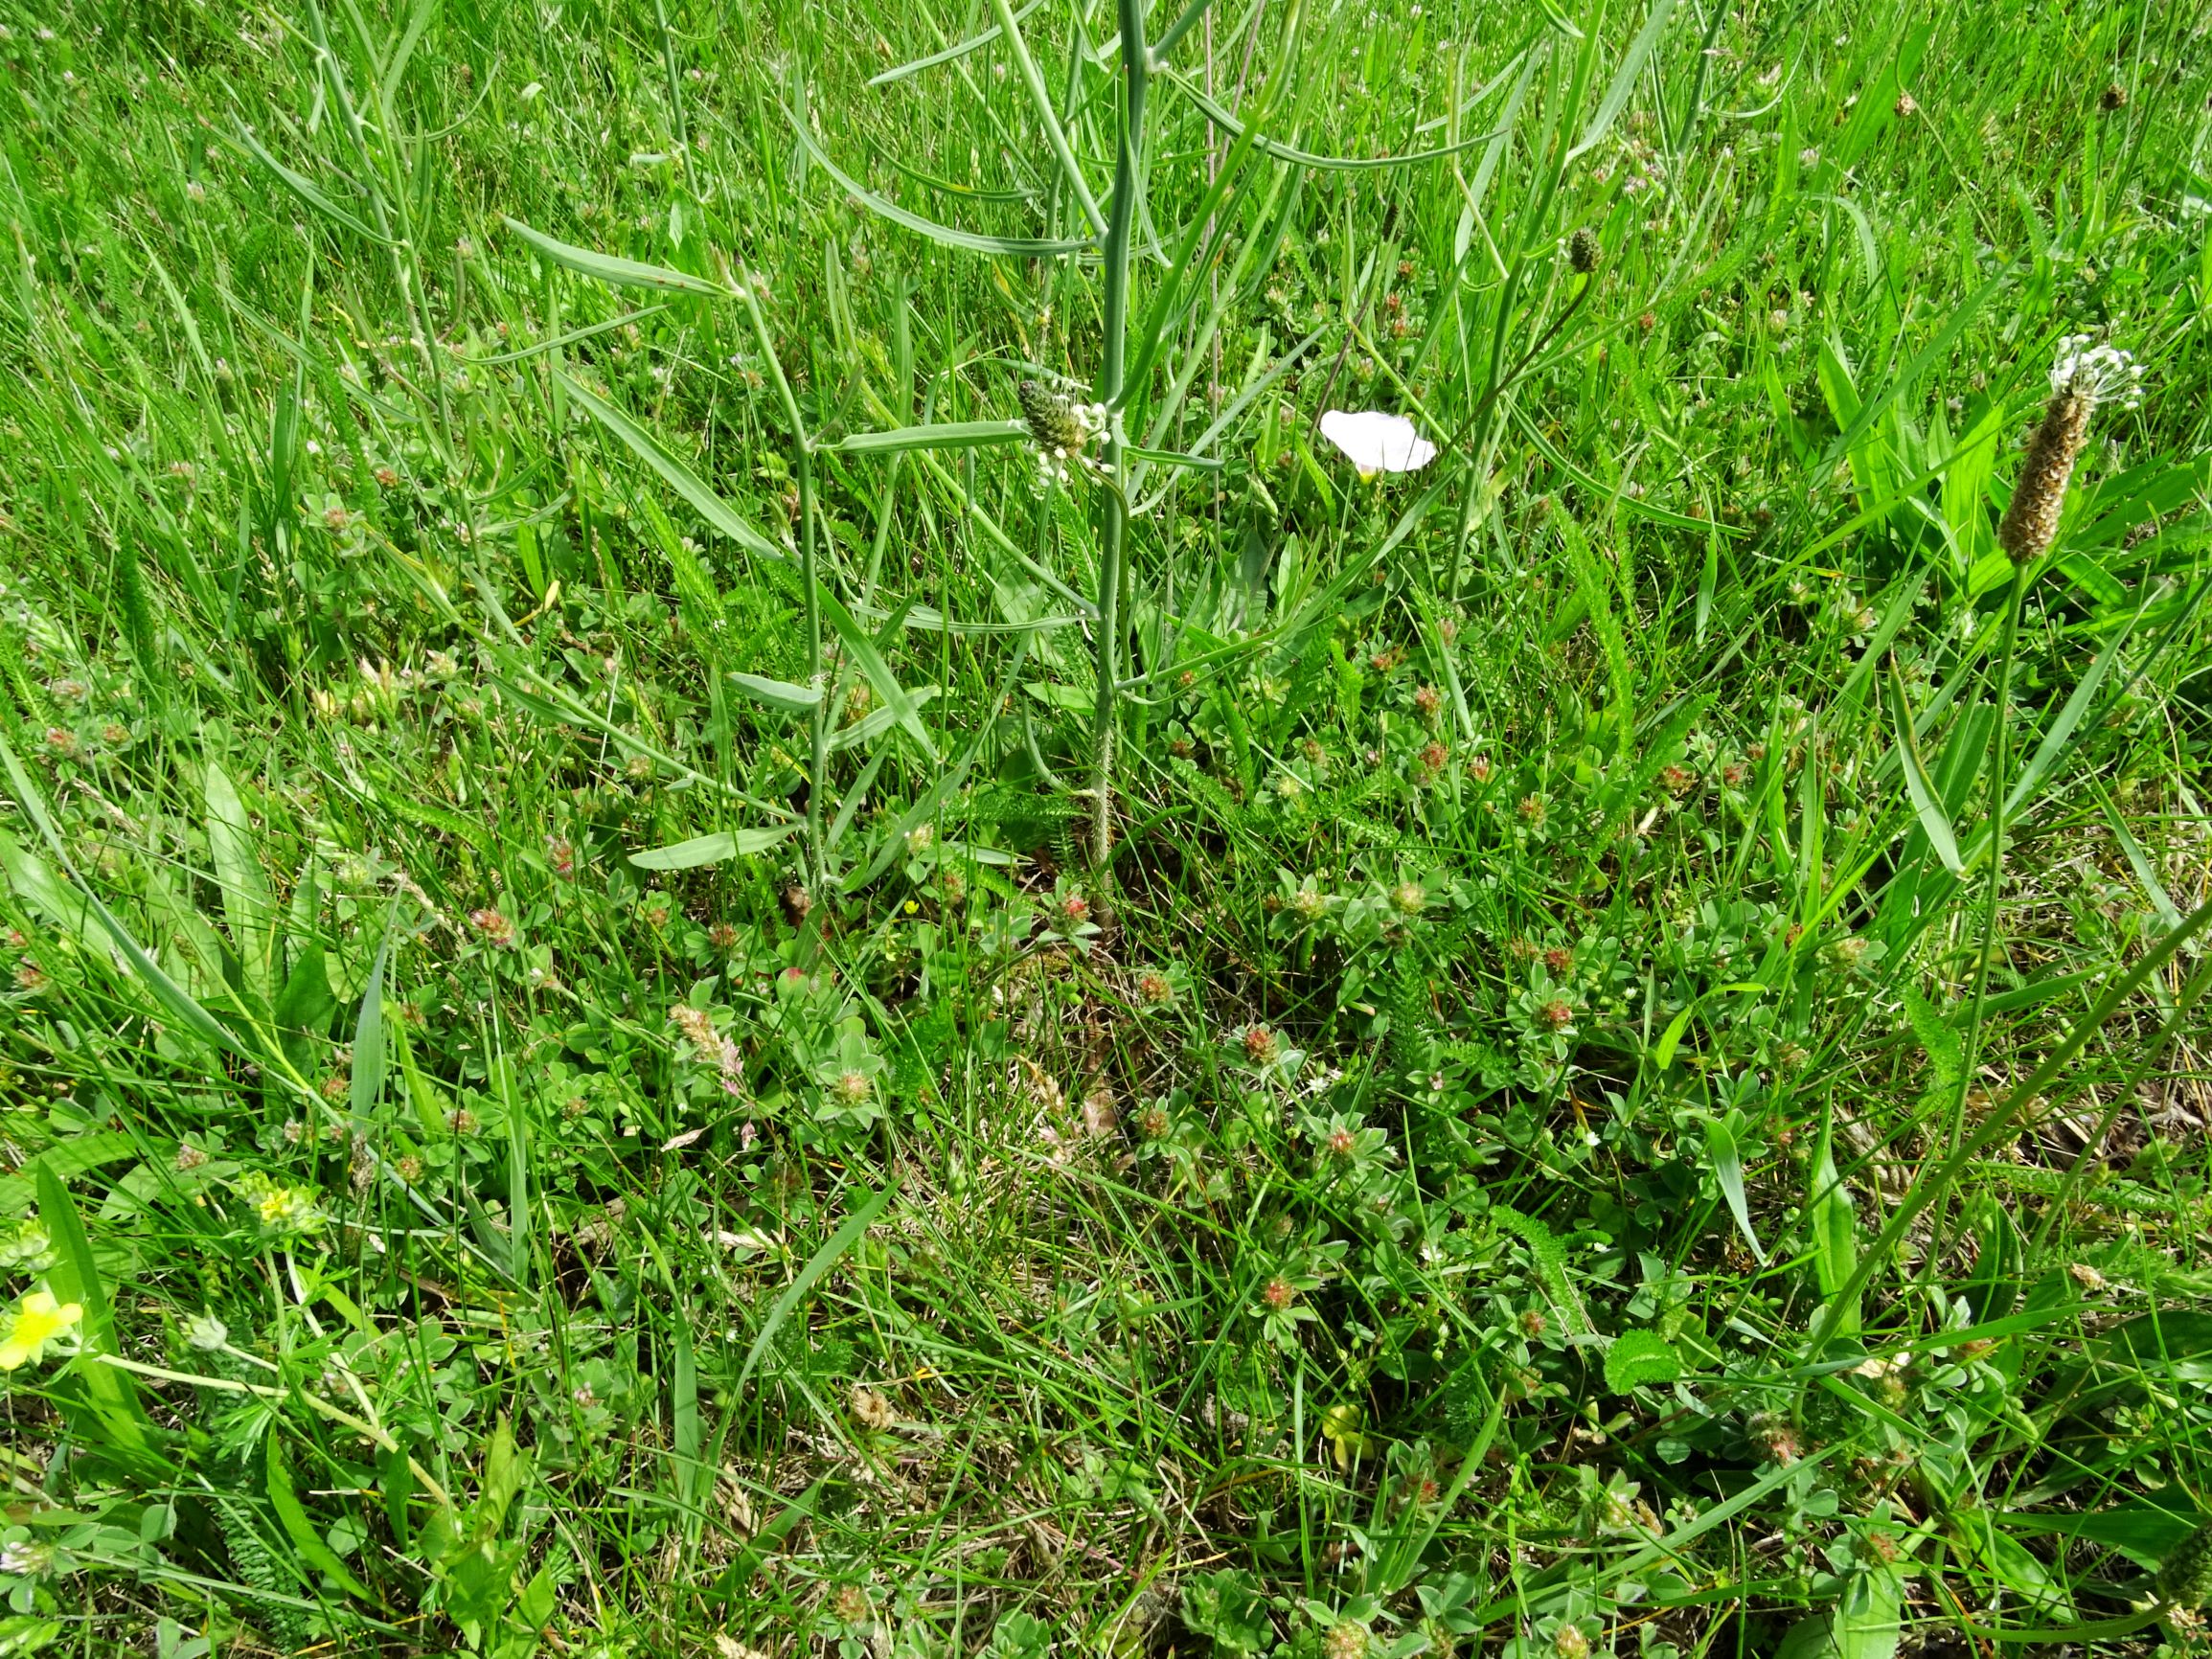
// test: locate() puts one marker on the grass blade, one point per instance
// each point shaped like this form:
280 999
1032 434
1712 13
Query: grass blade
1924 800
819 1263
946 435
614 271
714 849
974 241
680 478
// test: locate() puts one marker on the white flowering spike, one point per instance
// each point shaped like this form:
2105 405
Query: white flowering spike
2098 371
1377 443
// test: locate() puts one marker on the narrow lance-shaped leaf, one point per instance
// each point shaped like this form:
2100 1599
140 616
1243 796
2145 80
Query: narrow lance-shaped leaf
74 1277
180 1003
237 870
305 189
945 435
776 693
614 270
369 1056
714 849
1828 1211
1924 802
1235 128
1019 247
1625 78
284 1500
686 483
878 672
960 49
819 1263
1728 1171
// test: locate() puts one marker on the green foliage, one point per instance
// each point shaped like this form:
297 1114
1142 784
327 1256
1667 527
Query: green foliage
605 1043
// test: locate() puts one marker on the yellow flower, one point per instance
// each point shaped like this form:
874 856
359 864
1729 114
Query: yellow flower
38 1320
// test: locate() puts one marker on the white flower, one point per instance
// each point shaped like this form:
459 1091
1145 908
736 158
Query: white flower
2098 371
1377 443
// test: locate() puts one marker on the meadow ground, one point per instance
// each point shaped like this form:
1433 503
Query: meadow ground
751 909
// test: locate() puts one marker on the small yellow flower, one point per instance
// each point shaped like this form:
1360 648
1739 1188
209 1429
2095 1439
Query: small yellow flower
38 1320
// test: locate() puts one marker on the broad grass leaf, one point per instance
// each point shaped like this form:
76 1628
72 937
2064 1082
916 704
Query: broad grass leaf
831 1252
284 1500
179 1004
369 1058
1624 81
1834 1229
1917 783
615 271
680 478
862 648
1729 1169
974 241
714 849
961 49
776 693
2139 1529
944 435
126 1431
238 872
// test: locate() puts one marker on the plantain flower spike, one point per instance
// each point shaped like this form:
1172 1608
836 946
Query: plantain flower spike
2084 375
1060 428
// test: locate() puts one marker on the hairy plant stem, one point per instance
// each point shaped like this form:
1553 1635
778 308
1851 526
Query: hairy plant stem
1113 504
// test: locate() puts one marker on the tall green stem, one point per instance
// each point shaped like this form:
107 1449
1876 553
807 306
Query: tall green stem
803 465
818 764
1113 504
2000 762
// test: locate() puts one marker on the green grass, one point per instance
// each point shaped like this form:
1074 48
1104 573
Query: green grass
654 1005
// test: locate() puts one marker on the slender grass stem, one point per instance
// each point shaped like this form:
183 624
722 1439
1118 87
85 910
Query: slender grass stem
809 578
2001 759
1113 507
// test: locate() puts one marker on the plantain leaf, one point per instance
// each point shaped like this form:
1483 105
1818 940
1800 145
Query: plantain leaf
1729 1169
1828 1214
686 483
942 435
617 272
1917 784
238 872
74 1277
776 693
878 672
1019 247
170 995
820 1262
723 844
285 1499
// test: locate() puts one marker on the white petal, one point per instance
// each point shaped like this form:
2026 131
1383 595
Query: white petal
1377 443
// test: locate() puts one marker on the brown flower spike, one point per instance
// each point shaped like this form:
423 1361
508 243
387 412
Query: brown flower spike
2083 376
